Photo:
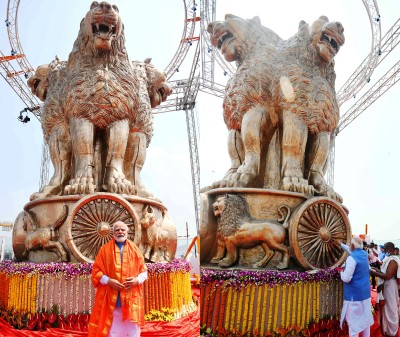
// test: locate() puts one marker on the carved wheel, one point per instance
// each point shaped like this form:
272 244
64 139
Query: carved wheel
90 224
314 230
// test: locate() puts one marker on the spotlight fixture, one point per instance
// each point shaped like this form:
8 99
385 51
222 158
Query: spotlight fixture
23 119
13 52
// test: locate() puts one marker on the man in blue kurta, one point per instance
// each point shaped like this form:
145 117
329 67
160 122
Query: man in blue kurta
357 294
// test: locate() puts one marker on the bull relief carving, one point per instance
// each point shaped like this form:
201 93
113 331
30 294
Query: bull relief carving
237 230
156 240
280 107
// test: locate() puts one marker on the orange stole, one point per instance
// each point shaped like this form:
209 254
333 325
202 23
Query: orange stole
108 262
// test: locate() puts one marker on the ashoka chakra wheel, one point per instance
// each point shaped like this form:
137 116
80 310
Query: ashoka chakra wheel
314 231
90 224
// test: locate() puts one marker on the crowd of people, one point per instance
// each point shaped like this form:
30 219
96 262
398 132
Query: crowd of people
381 265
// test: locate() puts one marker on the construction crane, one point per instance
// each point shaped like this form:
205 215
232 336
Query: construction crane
205 60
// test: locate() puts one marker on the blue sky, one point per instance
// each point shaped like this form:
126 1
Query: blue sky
367 155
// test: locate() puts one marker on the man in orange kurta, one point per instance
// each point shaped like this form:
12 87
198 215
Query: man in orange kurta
117 273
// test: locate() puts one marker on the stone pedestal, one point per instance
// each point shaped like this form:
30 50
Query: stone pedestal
73 228
314 226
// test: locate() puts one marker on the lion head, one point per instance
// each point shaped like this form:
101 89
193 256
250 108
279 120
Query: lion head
158 88
232 210
46 76
236 36
327 38
103 24
101 35
39 82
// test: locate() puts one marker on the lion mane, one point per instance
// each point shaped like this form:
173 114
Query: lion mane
103 94
268 58
235 211
284 88
251 86
101 100
237 229
313 81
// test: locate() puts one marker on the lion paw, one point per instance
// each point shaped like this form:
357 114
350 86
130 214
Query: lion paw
282 265
215 260
48 190
224 263
115 182
334 195
120 185
242 180
219 184
81 185
295 184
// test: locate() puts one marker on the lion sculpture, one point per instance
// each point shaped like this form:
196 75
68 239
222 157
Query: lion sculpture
280 104
237 229
97 115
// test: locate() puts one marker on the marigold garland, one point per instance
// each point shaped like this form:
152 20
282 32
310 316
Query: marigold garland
270 308
283 314
251 311
261 303
228 310
276 306
32 287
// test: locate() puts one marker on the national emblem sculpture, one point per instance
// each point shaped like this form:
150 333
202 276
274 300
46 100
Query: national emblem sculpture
273 208
97 120
281 111
285 85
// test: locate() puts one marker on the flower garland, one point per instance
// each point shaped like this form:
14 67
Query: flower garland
242 278
29 287
267 301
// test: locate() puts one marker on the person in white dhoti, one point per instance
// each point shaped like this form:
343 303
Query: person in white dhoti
388 294
357 296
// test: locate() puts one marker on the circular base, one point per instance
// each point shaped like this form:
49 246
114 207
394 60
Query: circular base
73 228
267 225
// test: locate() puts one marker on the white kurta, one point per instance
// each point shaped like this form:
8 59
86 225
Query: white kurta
357 314
389 315
120 328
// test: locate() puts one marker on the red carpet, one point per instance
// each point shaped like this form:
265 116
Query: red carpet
184 327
